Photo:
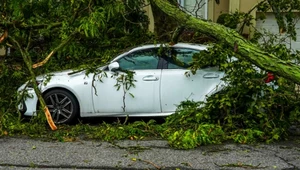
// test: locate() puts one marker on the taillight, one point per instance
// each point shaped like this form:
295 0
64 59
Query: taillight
270 77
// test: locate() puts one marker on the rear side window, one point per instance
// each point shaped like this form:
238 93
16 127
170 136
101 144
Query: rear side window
181 58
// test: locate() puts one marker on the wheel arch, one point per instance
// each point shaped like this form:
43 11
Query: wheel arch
60 88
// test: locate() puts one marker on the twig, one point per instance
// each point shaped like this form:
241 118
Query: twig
151 163
29 40
241 165
248 13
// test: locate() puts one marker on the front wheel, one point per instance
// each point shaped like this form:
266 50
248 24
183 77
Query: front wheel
62 105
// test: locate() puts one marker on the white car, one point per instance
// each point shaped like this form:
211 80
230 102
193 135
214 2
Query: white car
160 84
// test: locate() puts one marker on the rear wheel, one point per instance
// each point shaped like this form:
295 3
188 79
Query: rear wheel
62 105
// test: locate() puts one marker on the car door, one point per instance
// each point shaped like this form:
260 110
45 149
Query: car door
119 94
179 84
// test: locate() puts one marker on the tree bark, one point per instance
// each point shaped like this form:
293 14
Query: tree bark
246 49
163 25
37 91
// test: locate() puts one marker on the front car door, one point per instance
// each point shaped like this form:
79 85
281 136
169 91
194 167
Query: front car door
177 86
138 95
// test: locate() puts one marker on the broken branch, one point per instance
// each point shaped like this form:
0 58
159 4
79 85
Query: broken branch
4 36
53 52
27 60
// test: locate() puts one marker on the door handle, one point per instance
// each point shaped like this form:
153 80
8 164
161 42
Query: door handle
150 78
211 75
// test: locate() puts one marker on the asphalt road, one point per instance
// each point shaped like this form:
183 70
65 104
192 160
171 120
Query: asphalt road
24 154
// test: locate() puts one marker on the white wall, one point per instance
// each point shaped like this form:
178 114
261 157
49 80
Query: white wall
270 25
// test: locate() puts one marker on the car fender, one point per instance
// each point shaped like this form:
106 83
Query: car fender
85 105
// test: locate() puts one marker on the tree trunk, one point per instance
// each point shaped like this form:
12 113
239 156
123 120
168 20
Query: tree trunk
246 49
163 25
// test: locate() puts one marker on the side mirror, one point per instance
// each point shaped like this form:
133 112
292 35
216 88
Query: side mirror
113 66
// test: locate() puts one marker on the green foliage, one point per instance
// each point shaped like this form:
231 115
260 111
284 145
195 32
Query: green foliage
247 135
11 124
98 30
284 11
246 111
94 25
125 81
38 128
188 112
228 20
109 132
192 137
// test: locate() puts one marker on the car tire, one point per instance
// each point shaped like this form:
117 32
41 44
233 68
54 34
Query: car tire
62 105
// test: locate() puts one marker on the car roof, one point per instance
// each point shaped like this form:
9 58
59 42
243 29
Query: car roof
178 45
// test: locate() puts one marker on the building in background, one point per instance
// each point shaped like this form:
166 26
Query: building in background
211 10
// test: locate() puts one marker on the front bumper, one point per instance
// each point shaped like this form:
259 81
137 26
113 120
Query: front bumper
28 104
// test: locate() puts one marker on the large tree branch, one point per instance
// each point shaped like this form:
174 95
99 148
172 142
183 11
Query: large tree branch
61 45
23 25
28 62
247 50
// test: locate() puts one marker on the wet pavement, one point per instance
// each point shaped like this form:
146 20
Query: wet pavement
23 153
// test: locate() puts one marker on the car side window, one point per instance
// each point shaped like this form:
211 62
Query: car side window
181 58
140 60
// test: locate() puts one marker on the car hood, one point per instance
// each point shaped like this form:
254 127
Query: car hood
63 73
68 73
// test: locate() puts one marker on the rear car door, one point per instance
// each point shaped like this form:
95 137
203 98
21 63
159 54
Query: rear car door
179 84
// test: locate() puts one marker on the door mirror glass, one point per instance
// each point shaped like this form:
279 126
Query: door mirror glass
113 66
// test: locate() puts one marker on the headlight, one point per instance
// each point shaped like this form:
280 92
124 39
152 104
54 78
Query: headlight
37 82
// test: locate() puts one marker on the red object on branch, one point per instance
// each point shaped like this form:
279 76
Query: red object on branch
270 77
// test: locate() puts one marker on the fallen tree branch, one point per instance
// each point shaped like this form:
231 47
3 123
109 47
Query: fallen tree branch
23 25
44 61
27 60
246 50
4 36
176 35
61 45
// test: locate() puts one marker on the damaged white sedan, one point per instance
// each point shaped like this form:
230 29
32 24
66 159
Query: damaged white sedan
159 83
